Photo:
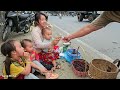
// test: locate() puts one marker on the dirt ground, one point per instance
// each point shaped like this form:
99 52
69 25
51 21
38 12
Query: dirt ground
65 72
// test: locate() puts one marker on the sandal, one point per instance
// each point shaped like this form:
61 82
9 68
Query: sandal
52 76
58 66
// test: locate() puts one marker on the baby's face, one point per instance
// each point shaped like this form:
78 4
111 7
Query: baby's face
29 47
48 34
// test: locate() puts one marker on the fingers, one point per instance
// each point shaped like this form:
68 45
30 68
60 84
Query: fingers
26 55
65 39
58 38
44 70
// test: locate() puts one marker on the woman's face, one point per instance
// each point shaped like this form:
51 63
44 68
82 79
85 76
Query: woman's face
19 49
42 21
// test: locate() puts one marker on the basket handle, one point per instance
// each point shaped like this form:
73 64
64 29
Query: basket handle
118 63
85 54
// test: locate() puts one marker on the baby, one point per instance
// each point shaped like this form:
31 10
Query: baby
49 56
28 47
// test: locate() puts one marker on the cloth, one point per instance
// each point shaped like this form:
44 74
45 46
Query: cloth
47 56
16 69
38 64
47 66
36 56
106 17
31 76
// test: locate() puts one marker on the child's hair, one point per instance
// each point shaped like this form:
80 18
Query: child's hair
23 42
6 50
47 27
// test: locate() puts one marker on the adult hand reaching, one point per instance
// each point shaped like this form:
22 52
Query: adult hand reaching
66 39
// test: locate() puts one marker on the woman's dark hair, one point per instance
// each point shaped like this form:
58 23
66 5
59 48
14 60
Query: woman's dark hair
37 17
6 50
23 42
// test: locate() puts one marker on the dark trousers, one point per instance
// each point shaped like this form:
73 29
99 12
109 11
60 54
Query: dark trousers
47 66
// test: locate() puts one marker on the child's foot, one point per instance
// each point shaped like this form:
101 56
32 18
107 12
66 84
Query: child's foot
52 76
58 57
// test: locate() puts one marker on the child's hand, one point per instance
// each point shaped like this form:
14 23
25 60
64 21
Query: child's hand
26 55
56 40
33 55
50 50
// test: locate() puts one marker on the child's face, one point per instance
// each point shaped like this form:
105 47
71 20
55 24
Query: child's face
29 47
19 49
48 34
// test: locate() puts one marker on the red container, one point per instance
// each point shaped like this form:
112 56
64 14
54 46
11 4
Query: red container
1 77
81 64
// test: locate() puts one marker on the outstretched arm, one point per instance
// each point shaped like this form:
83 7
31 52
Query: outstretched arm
84 31
98 23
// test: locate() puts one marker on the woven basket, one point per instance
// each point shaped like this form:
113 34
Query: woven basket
78 72
102 69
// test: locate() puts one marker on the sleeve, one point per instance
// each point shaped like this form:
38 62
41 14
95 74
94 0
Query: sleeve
37 39
102 20
16 70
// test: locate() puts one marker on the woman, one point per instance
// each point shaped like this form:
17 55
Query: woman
40 22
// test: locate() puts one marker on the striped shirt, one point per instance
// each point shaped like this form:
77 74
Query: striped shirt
37 39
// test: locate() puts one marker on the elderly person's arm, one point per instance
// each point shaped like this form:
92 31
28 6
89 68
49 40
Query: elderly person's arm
100 22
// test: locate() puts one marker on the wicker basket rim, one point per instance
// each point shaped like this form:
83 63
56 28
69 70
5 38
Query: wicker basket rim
77 70
89 74
117 70
78 60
